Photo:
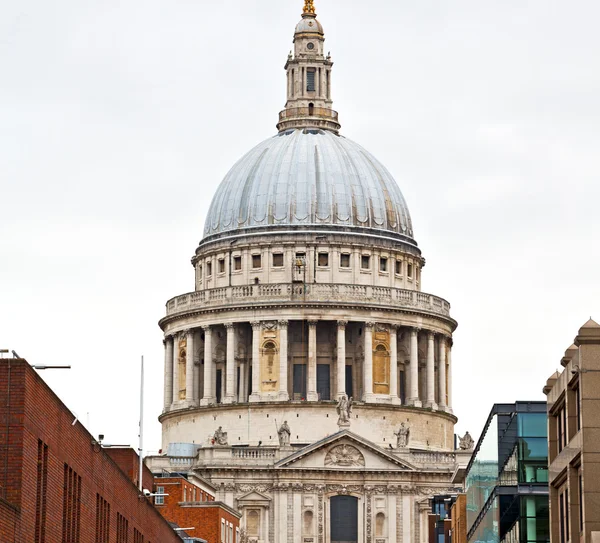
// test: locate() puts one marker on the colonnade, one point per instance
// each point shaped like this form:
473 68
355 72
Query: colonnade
419 367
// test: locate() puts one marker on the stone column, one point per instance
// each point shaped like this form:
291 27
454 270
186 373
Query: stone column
368 395
413 399
442 374
168 343
283 361
243 386
449 405
176 367
196 388
255 396
311 394
341 358
209 381
230 364
394 365
430 401
189 367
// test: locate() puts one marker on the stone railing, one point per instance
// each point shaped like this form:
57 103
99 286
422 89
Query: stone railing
294 292
433 458
254 453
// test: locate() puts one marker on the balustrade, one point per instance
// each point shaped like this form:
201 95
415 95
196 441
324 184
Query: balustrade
290 292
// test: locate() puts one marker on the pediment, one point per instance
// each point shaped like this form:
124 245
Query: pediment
253 497
344 451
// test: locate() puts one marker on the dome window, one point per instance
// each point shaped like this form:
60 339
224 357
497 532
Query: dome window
365 262
221 265
324 260
410 271
383 264
345 260
278 260
398 267
237 263
256 261
208 269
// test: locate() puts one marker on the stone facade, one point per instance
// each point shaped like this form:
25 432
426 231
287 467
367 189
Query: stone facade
308 371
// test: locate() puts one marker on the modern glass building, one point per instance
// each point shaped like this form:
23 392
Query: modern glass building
507 477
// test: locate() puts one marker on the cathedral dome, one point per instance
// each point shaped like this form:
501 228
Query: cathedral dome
309 178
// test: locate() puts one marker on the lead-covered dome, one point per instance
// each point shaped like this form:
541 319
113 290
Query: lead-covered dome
309 177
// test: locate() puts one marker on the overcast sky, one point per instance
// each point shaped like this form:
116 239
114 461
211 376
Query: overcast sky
119 118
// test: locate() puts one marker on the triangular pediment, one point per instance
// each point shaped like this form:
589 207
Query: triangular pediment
344 451
253 497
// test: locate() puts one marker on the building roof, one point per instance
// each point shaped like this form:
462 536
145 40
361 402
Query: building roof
309 178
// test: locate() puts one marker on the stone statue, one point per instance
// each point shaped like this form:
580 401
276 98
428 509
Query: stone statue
344 410
403 435
220 437
284 433
466 443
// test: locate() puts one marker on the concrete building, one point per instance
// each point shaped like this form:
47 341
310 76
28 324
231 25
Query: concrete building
574 440
57 483
507 478
308 376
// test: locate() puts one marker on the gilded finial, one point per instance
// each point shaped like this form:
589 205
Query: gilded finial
309 6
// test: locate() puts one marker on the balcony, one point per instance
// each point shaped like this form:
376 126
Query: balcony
308 117
294 293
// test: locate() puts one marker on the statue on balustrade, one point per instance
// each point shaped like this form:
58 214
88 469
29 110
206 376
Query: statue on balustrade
220 437
344 410
284 434
466 443
402 435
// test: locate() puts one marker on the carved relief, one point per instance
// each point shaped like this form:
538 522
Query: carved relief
344 456
381 362
269 361
181 361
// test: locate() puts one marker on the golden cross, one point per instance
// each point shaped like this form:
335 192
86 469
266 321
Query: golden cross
309 6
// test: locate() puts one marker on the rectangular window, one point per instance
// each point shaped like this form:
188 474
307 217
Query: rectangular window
365 262
237 263
578 406
310 80
278 260
221 265
324 259
102 519
200 272
208 269
122 529
137 536
256 261
159 500
383 263
344 260
410 271
562 428
580 489
398 267
567 513
71 518
185 493
42 485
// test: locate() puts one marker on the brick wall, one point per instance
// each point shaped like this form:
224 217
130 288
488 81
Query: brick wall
204 516
55 478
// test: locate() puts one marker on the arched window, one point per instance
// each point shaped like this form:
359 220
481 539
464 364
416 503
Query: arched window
311 109
308 523
380 525
253 523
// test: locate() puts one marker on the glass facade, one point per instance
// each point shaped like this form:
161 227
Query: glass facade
482 478
511 457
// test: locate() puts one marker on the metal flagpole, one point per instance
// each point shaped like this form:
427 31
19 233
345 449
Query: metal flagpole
141 447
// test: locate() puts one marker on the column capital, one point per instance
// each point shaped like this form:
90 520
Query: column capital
431 334
228 326
415 330
443 339
312 322
369 324
189 332
342 324
255 325
283 323
165 341
206 327
394 327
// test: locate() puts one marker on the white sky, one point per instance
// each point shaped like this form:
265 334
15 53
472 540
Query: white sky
119 118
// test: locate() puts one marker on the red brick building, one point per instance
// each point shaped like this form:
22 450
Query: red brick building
191 504
57 484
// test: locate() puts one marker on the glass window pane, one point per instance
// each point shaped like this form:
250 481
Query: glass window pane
533 424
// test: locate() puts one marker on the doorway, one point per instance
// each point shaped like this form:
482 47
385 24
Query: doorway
344 519
219 385
323 382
